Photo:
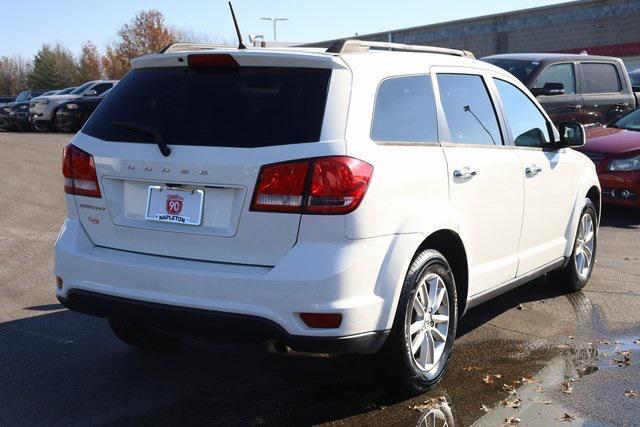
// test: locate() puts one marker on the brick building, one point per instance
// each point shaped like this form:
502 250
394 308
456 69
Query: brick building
603 27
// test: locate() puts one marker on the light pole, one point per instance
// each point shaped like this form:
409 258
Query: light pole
275 21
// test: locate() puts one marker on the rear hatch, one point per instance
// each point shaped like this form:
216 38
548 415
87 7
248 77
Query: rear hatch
221 122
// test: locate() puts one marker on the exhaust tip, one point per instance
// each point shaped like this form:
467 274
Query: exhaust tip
278 347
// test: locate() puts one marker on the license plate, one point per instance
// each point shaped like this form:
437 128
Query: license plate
173 205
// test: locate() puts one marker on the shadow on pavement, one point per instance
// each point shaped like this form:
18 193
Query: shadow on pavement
620 217
66 368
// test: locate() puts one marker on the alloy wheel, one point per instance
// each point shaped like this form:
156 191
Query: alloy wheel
427 325
585 243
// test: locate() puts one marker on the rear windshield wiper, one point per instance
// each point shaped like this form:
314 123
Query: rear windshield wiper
147 130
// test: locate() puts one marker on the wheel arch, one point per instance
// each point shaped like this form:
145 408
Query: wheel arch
449 244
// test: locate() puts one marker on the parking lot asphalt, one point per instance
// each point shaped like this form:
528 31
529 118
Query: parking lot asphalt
554 352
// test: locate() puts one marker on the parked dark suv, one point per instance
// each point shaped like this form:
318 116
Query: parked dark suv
592 90
15 115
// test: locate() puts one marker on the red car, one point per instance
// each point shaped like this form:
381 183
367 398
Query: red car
615 150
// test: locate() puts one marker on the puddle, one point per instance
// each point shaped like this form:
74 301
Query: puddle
617 353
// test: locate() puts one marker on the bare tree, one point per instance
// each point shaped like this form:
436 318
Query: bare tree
14 74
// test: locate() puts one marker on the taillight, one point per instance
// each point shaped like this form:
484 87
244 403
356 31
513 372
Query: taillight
325 185
79 172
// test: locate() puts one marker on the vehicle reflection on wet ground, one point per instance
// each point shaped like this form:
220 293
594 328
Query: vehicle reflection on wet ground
63 368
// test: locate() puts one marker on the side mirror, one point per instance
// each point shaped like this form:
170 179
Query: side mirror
90 93
572 134
549 89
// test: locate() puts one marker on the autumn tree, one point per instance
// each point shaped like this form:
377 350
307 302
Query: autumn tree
146 33
53 67
14 75
89 66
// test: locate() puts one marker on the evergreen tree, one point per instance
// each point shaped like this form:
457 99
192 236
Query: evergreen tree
53 68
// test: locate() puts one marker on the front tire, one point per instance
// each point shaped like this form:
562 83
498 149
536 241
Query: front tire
421 340
142 337
576 274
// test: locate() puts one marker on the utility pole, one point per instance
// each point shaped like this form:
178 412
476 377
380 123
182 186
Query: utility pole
275 21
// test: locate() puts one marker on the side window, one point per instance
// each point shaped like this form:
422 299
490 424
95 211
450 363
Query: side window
405 110
100 88
559 73
528 125
600 78
468 109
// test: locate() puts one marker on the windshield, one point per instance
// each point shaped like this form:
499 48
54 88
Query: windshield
245 107
630 122
79 90
520 68
22 96
65 91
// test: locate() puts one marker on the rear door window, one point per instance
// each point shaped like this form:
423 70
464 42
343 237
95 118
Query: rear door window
558 73
600 78
243 107
405 110
467 106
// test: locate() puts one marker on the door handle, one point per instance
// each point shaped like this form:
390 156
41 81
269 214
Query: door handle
532 170
574 107
464 173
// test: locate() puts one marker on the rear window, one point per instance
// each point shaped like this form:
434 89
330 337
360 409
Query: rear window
520 68
601 78
243 107
405 110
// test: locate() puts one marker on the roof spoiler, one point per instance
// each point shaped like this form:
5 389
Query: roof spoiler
354 45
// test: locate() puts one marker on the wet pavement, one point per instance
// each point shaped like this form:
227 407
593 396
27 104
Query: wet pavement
517 355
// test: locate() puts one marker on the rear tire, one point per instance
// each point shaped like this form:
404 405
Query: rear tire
576 274
141 336
421 341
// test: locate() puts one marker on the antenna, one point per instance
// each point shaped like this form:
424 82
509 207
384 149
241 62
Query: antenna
235 23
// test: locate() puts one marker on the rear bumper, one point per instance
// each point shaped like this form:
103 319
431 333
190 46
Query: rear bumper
217 324
360 279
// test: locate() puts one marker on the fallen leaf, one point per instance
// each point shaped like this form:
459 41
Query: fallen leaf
491 378
511 421
603 342
485 408
566 387
515 403
564 346
572 337
539 389
626 361
566 418
637 342
472 368
519 307
508 387
529 379
631 393
543 402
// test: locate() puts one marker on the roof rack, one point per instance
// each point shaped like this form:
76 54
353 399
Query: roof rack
354 45
183 46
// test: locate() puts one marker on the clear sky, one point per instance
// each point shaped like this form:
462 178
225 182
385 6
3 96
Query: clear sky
26 24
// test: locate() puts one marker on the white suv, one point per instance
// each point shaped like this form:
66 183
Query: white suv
353 200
